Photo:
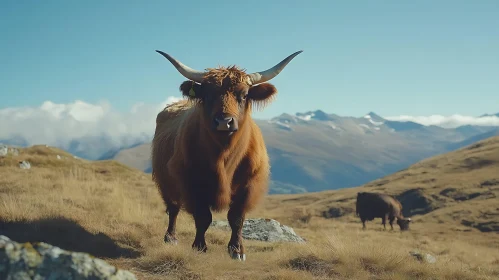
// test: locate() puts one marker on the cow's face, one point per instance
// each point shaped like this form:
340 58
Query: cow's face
227 103
227 93
404 223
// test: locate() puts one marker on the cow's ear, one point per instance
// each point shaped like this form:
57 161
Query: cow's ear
191 90
262 94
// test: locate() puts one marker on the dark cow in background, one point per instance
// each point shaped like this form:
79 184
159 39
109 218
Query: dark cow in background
208 153
376 205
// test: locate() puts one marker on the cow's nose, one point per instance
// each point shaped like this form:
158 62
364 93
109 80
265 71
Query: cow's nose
225 124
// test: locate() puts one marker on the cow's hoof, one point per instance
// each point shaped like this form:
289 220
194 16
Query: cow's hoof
170 239
235 255
200 247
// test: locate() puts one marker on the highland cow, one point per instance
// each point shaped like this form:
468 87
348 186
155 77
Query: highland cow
208 154
376 205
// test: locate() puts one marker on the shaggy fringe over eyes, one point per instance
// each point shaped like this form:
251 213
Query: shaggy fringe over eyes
232 75
216 76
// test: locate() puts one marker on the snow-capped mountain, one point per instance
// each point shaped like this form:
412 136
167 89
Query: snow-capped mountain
314 150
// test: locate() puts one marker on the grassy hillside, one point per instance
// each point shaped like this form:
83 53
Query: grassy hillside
459 189
114 212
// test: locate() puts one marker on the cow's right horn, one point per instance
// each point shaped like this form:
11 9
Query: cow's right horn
186 71
263 76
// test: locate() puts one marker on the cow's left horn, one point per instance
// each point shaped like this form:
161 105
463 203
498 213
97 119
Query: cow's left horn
186 71
263 76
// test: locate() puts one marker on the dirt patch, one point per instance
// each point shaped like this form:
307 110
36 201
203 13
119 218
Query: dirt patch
344 199
102 171
336 212
312 264
167 266
428 181
476 146
490 214
378 183
492 226
252 249
462 195
473 163
490 183
416 202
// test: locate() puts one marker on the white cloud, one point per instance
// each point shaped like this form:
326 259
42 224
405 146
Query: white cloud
451 121
101 127
59 124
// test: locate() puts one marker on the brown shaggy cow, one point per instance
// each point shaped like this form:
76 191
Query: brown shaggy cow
208 153
375 205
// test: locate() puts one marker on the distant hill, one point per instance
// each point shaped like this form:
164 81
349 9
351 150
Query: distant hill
459 188
490 115
315 151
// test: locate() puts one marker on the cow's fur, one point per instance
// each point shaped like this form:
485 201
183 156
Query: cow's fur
198 169
376 205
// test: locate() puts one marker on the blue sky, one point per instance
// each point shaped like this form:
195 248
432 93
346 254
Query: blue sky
392 57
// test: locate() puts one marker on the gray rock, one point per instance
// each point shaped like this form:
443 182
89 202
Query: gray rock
261 229
423 257
44 261
14 151
4 150
24 165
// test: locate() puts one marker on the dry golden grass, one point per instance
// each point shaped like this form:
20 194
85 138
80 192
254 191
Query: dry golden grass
115 213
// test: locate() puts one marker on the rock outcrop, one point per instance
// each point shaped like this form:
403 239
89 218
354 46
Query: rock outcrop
44 261
6 150
260 229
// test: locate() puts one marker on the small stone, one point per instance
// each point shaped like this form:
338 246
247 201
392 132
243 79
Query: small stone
4 150
423 257
24 165
14 151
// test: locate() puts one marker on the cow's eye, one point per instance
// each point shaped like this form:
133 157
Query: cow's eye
243 94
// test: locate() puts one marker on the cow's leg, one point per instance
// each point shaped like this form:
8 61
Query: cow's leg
391 222
383 221
170 235
202 219
236 218
363 223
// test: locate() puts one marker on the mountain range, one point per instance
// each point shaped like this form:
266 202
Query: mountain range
315 151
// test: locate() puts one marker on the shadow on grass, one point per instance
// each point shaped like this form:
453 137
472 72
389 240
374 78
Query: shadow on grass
66 234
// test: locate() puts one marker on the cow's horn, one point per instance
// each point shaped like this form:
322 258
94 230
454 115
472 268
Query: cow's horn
263 76
186 71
